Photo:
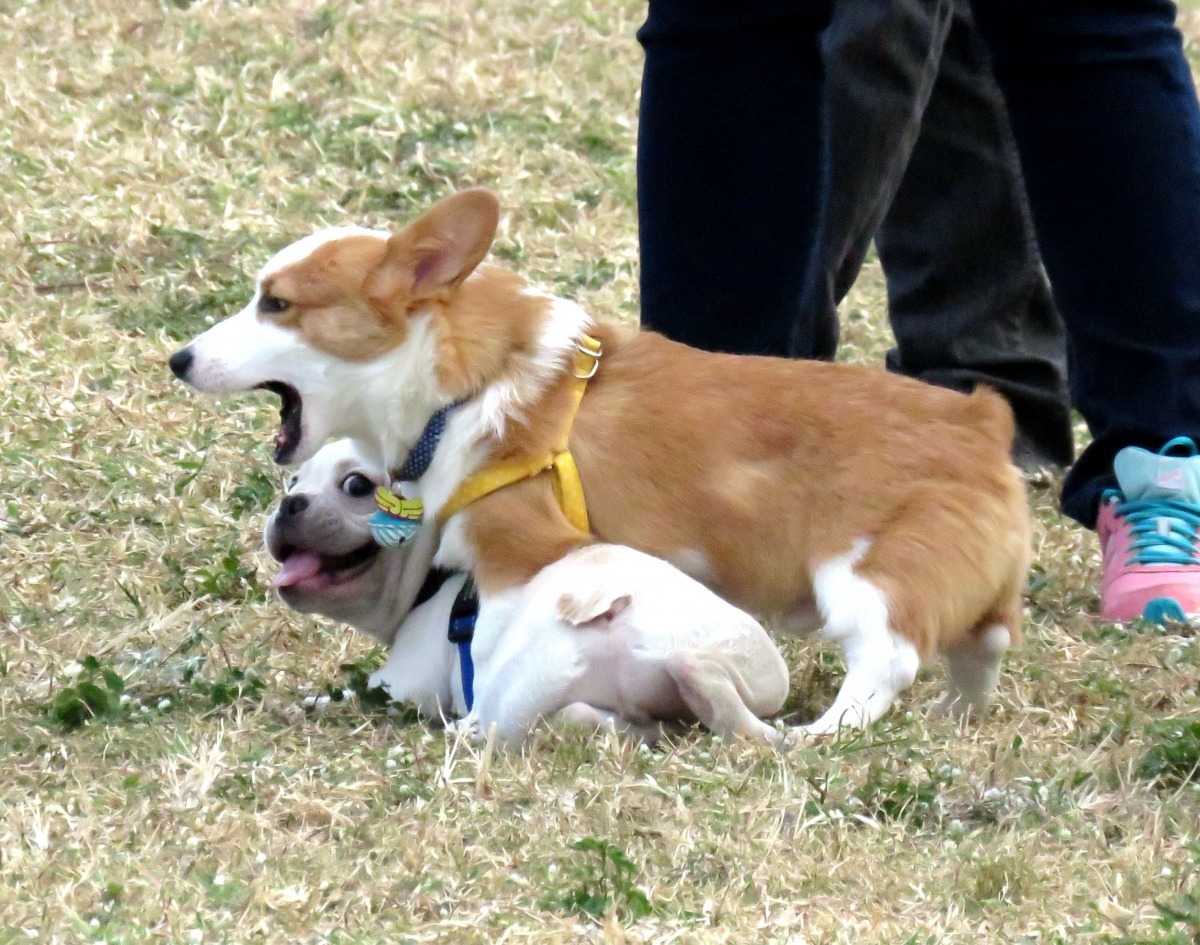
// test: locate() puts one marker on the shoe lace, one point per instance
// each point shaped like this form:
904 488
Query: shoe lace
1164 531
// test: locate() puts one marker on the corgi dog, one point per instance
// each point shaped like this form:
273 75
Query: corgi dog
883 512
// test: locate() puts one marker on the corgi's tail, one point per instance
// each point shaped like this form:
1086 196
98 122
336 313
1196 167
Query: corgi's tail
990 411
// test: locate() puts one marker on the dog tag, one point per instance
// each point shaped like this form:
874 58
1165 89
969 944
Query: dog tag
397 519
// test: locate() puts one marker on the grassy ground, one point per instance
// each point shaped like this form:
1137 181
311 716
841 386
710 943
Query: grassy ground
151 156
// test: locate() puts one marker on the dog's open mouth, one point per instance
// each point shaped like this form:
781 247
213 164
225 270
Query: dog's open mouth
290 408
310 571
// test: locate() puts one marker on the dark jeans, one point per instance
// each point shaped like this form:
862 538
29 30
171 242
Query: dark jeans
731 170
921 157
967 298
730 160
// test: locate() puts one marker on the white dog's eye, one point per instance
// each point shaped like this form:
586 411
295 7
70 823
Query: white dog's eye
273 303
357 486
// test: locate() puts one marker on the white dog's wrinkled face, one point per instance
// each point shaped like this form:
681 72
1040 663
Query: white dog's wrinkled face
330 564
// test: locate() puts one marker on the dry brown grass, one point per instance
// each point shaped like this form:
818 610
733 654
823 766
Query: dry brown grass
150 156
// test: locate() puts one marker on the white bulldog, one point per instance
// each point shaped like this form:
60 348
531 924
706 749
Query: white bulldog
593 639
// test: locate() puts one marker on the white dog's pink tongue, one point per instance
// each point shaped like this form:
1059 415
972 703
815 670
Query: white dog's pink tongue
300 566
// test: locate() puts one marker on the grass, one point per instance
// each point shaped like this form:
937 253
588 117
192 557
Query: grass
151 155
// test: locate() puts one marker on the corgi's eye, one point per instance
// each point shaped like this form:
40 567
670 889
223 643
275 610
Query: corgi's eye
273 303
358 486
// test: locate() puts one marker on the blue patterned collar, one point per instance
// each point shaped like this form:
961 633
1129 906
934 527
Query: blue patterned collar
416 464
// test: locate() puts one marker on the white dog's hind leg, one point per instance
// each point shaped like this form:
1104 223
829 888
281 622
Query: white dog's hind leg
707 686
583 715
880 663
974 670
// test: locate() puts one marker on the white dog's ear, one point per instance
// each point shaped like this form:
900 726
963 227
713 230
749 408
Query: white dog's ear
600 604
437 251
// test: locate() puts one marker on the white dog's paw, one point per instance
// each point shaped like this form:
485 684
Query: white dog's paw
801 736
379 680
467 728
320 703
588 717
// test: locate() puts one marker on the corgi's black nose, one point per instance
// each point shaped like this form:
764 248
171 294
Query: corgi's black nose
293 505
180 362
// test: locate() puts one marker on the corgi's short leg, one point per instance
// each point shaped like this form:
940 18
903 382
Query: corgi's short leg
974 662
974 666
953 557
709 686
880 663
582 715
877 671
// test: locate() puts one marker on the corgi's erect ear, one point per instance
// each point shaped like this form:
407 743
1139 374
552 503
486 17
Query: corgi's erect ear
436 251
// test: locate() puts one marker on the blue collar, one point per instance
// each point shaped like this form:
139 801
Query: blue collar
465 610
416 464
461 631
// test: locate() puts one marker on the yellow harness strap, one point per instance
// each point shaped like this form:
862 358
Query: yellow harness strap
568 487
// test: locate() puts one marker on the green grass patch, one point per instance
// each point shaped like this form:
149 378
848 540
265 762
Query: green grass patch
1173 756
600 877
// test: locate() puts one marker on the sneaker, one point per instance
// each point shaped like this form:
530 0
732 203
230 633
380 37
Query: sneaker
1149 532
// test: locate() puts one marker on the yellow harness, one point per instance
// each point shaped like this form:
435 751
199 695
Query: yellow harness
568 487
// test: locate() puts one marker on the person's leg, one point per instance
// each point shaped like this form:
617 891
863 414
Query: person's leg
1108 129
729 172
925 151
881 61
968 300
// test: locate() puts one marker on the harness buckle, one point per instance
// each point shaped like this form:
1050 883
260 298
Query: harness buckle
594 355
461 629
